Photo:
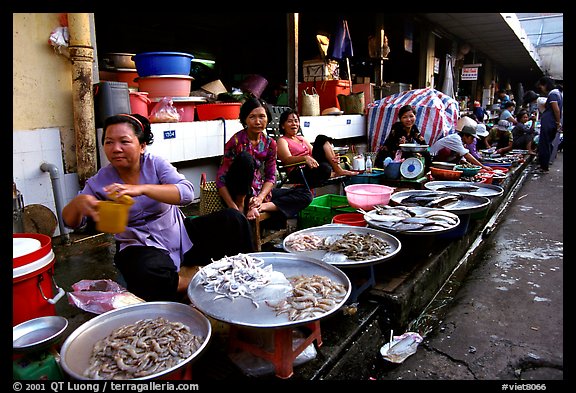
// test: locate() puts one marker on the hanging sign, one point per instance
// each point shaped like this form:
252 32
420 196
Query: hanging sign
469 73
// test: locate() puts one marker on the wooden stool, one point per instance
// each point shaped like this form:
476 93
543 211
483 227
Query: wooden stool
283 355
259 240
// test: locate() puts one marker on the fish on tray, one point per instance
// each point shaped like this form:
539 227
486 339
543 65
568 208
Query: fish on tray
459 188
431 199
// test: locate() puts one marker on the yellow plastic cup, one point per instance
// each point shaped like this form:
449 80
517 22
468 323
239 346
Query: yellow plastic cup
113 217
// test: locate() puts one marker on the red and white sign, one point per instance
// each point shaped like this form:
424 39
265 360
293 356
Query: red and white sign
469 73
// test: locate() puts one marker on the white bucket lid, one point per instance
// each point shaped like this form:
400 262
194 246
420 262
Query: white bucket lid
24 245
33 266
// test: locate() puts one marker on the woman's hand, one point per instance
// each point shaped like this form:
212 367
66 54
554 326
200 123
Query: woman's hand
116 190
255 202
311 162
402 140
253 213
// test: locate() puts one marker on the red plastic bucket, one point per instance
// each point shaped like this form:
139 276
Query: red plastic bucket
354 219
215 110
32 272
139 102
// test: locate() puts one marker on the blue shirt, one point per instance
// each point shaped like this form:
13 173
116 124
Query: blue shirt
150 223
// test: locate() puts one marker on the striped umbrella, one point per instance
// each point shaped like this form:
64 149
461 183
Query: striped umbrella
436 115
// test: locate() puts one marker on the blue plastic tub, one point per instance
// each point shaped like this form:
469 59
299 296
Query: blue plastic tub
365 178
392 170
163 63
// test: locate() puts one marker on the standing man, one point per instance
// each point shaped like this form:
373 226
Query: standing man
550 122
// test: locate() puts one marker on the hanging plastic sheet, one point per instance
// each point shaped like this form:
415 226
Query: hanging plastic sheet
436 115
448 85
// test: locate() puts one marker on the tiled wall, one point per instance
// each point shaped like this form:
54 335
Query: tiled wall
29 150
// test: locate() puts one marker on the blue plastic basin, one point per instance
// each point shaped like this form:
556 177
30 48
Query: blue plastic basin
163 63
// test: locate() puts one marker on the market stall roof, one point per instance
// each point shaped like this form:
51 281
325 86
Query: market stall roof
499 36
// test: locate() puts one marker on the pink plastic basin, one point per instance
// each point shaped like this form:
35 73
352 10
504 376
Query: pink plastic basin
365 196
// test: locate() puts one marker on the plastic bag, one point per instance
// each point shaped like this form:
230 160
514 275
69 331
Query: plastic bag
99 296
164 112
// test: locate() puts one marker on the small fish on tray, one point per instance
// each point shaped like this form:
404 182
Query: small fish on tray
431 199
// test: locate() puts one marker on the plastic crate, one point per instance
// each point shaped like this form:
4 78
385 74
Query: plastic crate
323 209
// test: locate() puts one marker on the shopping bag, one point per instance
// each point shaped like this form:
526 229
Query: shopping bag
310 103
210 199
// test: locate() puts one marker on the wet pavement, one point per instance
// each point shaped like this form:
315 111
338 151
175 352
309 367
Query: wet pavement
504 320
500 318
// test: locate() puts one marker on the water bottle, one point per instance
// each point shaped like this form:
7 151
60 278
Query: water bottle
368 164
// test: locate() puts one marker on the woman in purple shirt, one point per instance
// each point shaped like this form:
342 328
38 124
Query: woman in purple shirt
246 178
150 252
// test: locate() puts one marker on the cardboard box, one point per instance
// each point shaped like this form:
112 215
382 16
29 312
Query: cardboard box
317 70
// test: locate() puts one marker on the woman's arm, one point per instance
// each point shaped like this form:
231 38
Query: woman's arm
81 206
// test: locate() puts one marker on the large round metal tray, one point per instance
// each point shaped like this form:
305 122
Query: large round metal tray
77 348
241 311
421 232
339 230
482 189
467 205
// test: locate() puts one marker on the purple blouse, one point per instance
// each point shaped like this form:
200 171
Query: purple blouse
264 154
150 223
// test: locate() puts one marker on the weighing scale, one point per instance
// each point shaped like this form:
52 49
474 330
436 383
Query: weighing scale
413 169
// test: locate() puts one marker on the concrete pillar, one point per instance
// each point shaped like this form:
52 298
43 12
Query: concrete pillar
82 57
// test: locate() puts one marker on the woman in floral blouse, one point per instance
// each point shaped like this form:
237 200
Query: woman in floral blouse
246 178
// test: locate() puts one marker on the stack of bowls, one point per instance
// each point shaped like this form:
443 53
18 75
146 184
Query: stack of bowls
164 74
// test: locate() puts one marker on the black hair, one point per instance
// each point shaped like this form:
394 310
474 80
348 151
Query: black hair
546 82
141 125
249 105
509 104
404 109
522 113
284 116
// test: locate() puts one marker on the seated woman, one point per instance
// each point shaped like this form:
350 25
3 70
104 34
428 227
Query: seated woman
500 137
320 161
402 131
523 134
247 176
155 244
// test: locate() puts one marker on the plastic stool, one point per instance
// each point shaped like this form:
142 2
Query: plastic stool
283 355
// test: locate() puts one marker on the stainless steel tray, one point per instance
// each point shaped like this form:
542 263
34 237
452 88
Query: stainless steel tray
485 190
467 205
339 230
241 311
77 348
421 232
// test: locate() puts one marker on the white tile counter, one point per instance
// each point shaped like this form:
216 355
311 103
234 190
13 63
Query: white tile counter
178 142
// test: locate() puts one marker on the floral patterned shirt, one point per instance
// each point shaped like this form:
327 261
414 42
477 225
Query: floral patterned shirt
264 154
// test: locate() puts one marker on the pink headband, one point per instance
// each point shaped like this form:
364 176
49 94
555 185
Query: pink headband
133 118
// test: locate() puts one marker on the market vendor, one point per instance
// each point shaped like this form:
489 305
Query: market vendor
246 178
451 148
156 244
500 138
403 131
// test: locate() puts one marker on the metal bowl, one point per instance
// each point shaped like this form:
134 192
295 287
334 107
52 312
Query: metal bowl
413 147
38 333
77 348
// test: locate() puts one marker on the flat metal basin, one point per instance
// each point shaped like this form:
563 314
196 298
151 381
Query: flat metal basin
420 232
339 230
38 333
467 205
241 311
485 190
77 348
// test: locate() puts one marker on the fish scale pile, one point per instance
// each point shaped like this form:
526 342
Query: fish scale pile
143 348
239 275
